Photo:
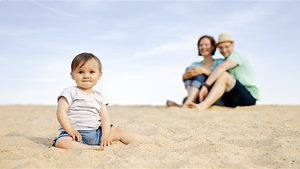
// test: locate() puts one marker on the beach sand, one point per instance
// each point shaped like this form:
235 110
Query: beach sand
244 137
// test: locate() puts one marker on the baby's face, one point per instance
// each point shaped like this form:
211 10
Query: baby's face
87 75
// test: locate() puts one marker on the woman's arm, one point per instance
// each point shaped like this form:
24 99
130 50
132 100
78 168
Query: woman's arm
194 71
220 69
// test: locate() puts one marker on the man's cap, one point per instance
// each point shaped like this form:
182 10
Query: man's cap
225 37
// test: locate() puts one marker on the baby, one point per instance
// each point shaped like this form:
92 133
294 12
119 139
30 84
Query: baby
82 112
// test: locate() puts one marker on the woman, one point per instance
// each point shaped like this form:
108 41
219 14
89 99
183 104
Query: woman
196 74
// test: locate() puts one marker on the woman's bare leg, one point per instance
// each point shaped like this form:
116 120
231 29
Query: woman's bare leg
192 95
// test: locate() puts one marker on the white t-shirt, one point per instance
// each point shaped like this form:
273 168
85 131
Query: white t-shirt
84 109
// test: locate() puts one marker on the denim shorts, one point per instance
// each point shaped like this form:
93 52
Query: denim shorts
89 137
196 81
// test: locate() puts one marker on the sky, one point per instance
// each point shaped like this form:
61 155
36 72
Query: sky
144 46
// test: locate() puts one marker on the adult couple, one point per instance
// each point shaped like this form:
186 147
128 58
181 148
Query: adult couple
229 82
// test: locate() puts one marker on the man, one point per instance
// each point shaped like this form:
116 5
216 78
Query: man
233 80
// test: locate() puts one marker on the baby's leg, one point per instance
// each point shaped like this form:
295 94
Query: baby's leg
118 134
69 143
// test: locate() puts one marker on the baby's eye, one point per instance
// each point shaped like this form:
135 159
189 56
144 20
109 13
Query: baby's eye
80 72
92 71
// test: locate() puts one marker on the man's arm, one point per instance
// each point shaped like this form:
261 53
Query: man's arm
219 70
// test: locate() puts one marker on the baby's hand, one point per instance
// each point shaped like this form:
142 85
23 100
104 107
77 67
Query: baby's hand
76 136
105 141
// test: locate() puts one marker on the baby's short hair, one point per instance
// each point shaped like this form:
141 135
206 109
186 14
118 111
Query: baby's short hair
82 58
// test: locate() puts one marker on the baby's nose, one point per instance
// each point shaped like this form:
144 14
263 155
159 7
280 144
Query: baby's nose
86 75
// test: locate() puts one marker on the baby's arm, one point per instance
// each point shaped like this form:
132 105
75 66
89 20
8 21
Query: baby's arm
62 116
105 124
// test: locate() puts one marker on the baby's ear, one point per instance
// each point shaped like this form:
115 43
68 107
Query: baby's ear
71 74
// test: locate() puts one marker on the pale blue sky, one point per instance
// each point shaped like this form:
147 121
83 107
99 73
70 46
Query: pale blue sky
144 46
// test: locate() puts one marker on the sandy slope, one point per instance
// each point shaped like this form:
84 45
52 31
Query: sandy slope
248 137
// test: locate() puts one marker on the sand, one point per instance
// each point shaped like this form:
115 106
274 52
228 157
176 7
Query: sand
244 137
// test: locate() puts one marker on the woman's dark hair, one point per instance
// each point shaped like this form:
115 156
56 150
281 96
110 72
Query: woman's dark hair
82 58
212 41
